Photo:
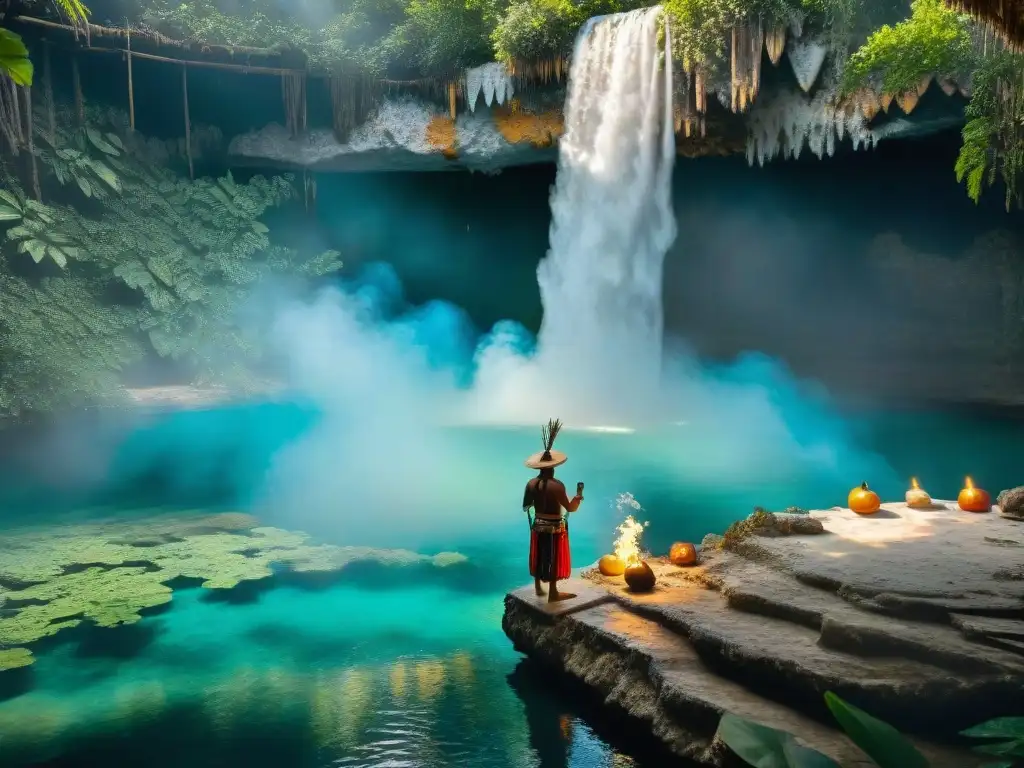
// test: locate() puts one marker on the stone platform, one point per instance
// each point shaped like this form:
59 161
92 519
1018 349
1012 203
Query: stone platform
917 616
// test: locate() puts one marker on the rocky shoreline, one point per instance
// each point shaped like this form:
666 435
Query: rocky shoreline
917 616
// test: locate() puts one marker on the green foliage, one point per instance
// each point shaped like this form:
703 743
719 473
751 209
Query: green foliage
1009 731
935 40
158 264
443 34
535 30
14 60
765 747
993 138
389 37
701 28
879 741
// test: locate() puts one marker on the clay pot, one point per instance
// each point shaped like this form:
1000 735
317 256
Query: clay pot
683 554
610 565
640 578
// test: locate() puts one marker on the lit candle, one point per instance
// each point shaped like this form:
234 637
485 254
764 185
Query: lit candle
973 499
917 497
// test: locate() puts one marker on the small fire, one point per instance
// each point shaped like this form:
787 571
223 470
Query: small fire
968 483
627 545
914 485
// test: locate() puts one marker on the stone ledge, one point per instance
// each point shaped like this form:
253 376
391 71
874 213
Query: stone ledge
764 631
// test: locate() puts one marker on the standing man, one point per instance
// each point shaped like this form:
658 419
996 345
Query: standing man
549 534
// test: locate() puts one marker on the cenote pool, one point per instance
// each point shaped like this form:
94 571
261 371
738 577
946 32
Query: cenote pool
395 666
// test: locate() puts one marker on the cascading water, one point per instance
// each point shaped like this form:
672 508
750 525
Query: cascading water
612 218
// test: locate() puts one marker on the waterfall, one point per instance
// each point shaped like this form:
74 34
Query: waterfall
612 218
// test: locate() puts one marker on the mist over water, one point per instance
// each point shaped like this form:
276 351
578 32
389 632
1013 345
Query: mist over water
390 380
380 463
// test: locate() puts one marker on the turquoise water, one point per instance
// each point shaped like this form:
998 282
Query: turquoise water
408 668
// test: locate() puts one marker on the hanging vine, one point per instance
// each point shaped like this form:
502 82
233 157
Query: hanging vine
993 138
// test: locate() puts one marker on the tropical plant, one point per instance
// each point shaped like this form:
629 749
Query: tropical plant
934 41
993 138
1010 745
155 264
14 60
765 747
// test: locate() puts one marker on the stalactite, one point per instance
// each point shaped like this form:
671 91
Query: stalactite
494 81
131 89
353 97
907 101
869 103
188 121
51 117
293 93
30 144
525 73
788 122
886 101
76 82
948 86
747 44
691 102
806 58
775 43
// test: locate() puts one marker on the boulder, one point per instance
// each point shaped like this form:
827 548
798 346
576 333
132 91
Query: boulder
1011 503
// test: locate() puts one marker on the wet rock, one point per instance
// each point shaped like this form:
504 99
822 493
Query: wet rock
908 614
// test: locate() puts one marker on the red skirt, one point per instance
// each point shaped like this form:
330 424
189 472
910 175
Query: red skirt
549 555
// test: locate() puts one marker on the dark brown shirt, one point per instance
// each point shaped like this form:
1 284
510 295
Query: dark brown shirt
547 496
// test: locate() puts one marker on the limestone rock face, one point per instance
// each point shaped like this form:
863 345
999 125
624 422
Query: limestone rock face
410 134
916 616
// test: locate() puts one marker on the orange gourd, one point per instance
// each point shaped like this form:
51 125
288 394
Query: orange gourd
640 577
863 500
682 553
611 565
973 499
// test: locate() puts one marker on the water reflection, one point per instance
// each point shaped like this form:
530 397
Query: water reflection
419 712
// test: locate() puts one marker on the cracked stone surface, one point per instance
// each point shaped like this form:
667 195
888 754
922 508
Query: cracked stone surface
915 615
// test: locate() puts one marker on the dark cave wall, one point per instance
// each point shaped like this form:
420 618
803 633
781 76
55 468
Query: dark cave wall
871 271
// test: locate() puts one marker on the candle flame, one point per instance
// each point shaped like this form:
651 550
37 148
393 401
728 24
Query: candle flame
914 485
968 483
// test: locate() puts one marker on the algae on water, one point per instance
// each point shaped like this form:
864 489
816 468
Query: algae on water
108 572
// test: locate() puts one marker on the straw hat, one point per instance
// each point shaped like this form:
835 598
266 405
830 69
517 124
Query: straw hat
548 458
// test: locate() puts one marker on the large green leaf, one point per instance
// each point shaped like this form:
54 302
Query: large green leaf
10 199
36 248
880 741
1000 728
100 143
764 747
1013 748
14 60
9 214
58 256
84 185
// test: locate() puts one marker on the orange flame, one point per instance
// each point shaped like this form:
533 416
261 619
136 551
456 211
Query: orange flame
968 483
914 485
